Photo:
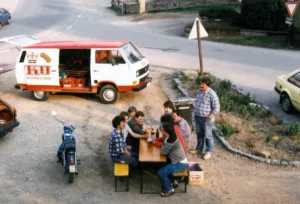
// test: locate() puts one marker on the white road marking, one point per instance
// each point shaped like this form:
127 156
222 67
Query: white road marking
77 19
69 27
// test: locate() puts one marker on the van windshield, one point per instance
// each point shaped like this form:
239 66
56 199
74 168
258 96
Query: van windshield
132 53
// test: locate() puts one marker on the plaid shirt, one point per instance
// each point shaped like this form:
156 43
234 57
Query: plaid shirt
206 103
116 143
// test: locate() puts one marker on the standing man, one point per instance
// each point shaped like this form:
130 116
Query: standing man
207 105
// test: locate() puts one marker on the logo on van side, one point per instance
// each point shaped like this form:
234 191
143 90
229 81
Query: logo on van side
32 58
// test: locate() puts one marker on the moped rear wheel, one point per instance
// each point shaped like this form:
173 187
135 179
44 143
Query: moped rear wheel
71 177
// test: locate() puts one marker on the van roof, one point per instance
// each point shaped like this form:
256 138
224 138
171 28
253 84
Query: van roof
79 44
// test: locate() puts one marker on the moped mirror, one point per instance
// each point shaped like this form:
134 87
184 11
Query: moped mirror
54 113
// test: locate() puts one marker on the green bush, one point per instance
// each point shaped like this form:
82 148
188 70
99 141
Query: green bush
227 130
226 11
263 14
293 130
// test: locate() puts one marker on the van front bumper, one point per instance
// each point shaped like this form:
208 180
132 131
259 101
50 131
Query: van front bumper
144 85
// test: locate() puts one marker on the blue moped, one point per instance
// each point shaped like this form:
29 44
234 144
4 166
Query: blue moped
67 150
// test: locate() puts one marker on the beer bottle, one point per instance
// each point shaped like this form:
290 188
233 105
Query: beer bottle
157 133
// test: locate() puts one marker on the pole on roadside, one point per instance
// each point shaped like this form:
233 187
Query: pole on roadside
199 48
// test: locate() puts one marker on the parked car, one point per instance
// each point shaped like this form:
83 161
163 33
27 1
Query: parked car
8 115
288 87
5 17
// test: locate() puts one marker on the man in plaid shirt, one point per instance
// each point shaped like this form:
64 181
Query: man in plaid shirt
206 106
117 147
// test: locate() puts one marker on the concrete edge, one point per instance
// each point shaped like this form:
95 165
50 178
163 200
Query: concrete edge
228 146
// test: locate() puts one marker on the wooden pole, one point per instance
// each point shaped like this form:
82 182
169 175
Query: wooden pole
199 48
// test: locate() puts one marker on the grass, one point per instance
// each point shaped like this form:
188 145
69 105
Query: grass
257 41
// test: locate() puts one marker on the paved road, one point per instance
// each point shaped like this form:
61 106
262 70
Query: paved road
253 69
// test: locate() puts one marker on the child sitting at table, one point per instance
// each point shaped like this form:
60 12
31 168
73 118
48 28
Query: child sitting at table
173 150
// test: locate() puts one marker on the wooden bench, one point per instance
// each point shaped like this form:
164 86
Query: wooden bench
121 170
185 174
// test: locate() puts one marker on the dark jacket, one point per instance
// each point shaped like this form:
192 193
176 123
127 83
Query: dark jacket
136 128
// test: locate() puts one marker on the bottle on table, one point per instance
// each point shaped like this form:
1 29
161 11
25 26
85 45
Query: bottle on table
157 133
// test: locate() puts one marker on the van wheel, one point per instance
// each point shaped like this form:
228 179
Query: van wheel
40 95
108 94
9 21
286 104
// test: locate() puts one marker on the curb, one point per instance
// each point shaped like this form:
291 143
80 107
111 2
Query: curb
236 151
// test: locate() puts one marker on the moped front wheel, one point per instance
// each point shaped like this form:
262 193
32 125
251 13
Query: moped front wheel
71 177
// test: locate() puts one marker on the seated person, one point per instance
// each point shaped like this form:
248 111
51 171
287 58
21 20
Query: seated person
105 57
132 111
184 128
168 119
136 125
127 129
168 108
178 161
117 147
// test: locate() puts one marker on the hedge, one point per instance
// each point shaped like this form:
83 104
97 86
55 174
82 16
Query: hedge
263 14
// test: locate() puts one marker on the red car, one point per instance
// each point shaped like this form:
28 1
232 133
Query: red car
8 119
8 113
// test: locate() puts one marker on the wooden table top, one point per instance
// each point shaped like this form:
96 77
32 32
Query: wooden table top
150 153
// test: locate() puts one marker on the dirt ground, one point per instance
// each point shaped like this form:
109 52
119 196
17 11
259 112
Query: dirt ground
29 172
255 134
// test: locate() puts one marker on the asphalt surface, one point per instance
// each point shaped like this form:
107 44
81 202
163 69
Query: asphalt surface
28 169
252 69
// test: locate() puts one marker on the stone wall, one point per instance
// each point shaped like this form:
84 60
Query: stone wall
133 6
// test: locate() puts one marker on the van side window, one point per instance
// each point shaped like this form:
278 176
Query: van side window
118 57
22 58
104 57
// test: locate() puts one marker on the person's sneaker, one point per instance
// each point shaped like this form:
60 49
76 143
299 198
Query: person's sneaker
166 194
207 155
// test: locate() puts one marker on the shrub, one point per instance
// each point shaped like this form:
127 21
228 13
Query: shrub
226 129
293 130
263 14
220 11
225 84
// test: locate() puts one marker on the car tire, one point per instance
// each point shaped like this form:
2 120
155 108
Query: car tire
0 25
9 21
286 104
108 94
40 95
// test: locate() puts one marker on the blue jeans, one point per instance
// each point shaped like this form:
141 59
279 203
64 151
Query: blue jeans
166 171
123 158
204 133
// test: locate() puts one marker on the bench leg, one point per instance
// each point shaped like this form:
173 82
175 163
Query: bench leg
116 186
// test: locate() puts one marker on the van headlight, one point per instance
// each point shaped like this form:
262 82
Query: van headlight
137 73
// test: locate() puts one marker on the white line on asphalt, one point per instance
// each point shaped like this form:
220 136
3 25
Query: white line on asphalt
69 27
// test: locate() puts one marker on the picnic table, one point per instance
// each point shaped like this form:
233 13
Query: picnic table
149 153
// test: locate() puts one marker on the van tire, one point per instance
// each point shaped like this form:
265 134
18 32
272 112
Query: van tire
40 95
108 94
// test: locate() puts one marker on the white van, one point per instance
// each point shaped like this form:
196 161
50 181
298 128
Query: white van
101 67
